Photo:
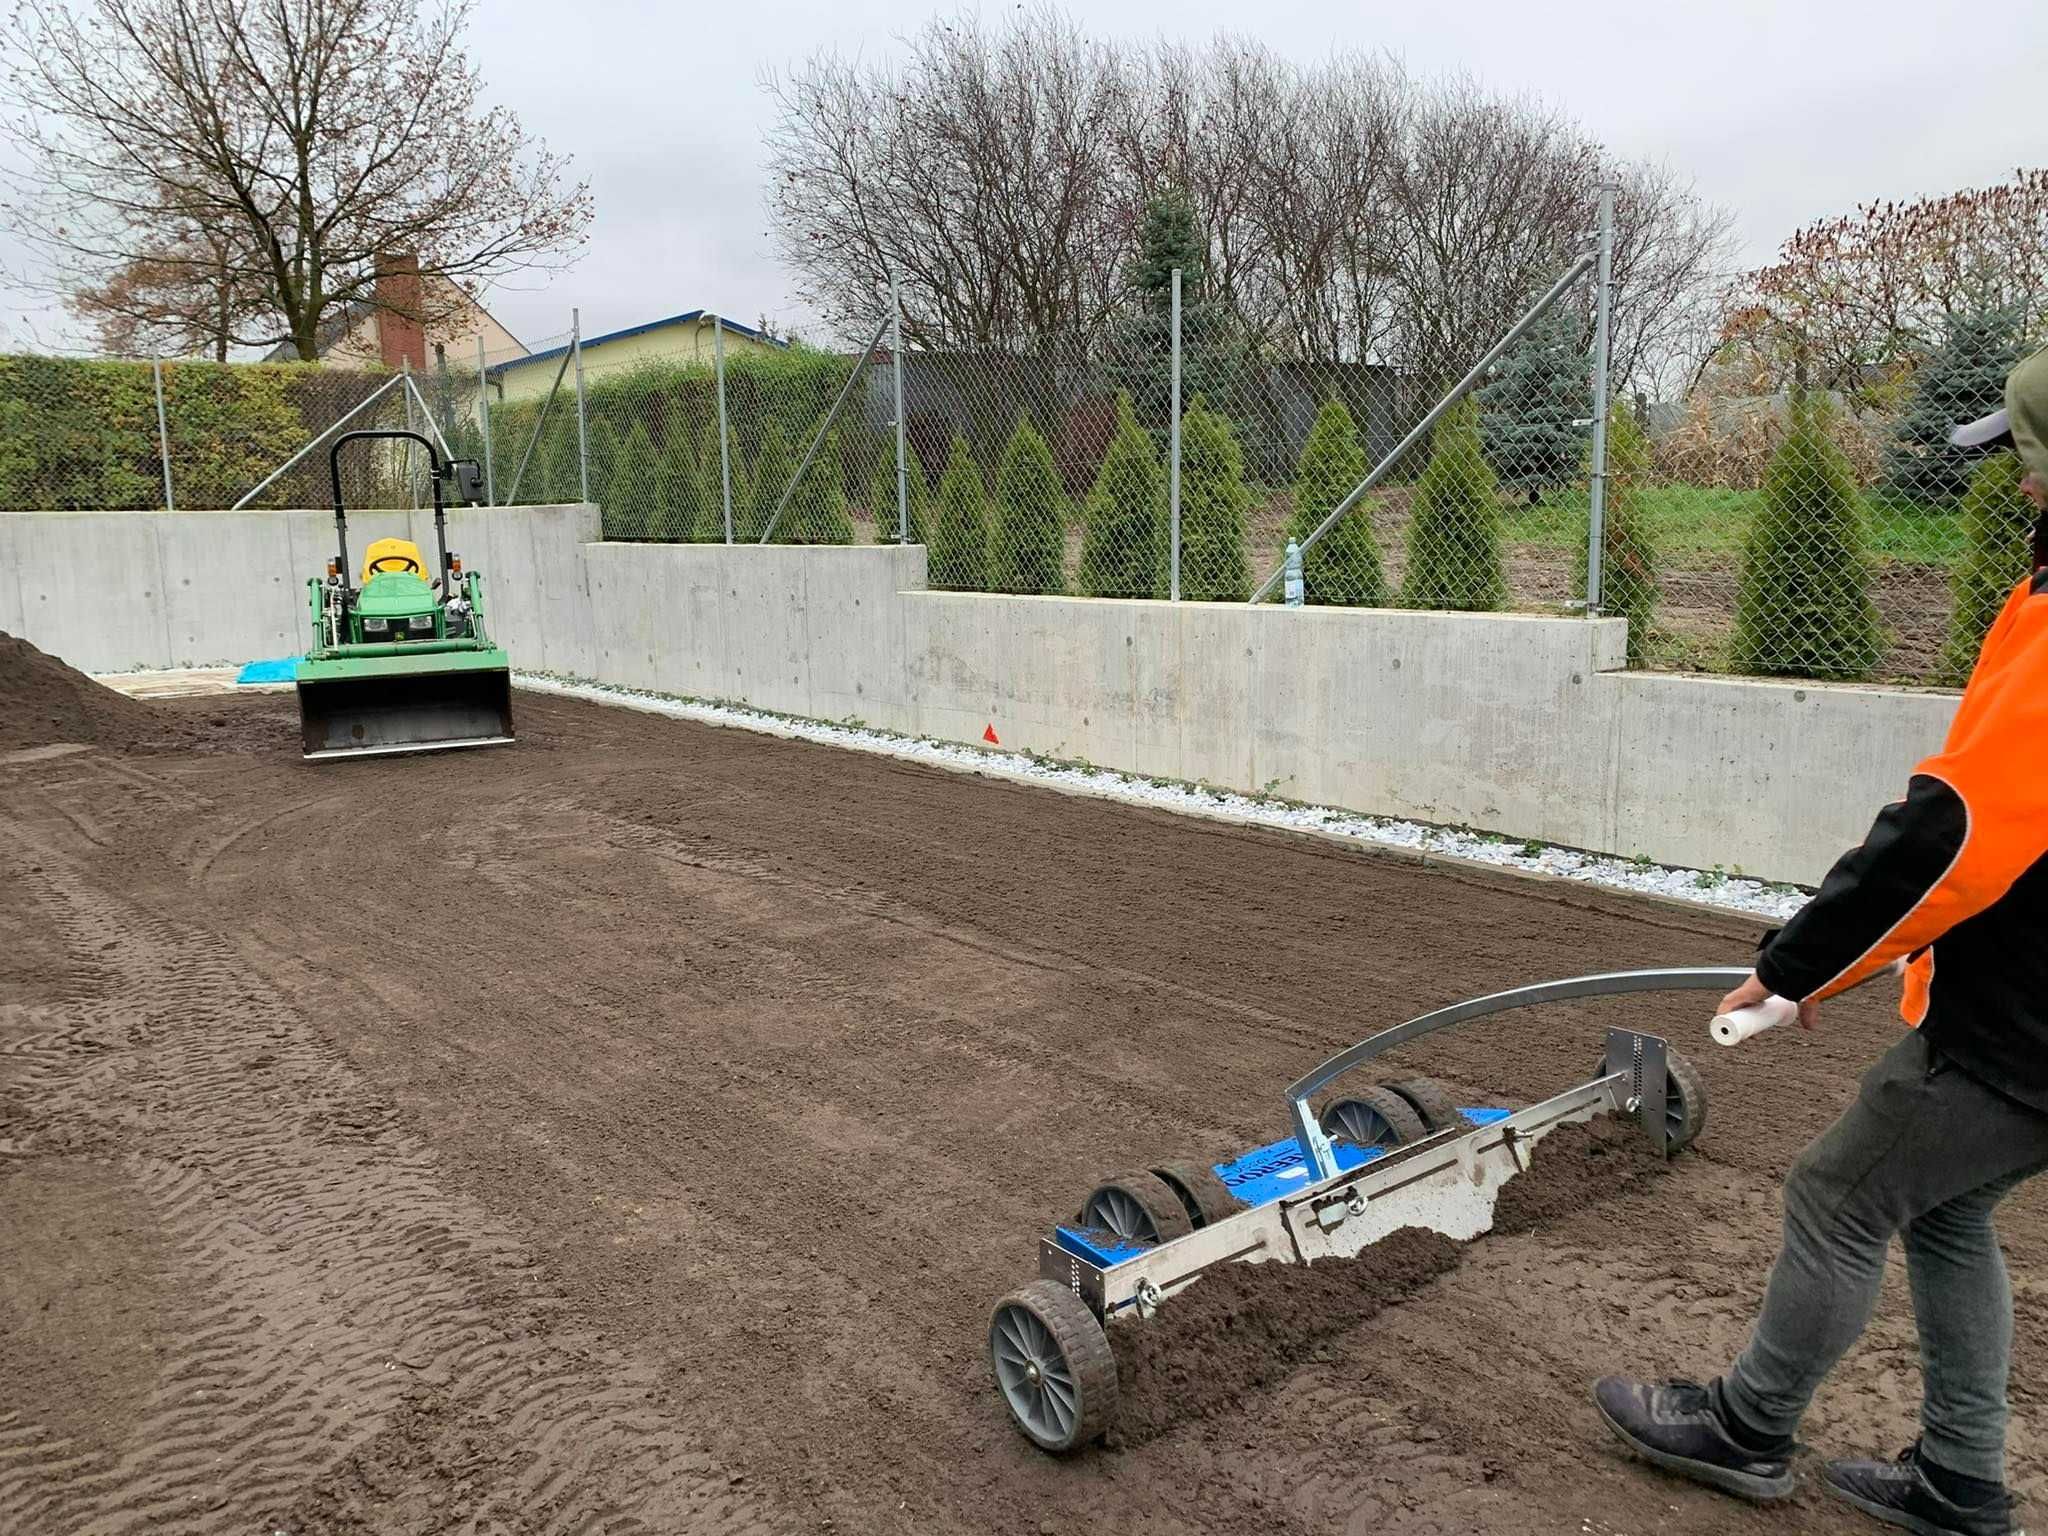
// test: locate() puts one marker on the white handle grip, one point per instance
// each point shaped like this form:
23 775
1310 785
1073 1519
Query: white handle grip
1734 1028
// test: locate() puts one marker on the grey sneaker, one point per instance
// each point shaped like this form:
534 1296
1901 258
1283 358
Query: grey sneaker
1898 1493
1677 1425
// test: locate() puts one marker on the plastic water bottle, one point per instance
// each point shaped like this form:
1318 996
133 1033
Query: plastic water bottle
1294 586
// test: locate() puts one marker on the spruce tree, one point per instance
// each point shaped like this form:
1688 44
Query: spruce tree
1802 602
1628 556
1212 346
633 490
918 496
1124 536
767 478
1028 540
1454 534
1343 566
958 559
816 513
1529 413
1214 501
1963 378
1998 529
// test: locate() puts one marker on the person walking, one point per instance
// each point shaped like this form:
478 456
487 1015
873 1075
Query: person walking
1952 882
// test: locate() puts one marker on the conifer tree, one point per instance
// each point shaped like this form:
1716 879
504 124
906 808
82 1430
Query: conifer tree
1998 527
1529 413
1214 501
918 496
1123 541
1454 554
960 537
1628 556
1964 378
1027 541
1343 566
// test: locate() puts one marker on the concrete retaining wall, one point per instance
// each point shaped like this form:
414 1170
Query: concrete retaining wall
117 591
1512 723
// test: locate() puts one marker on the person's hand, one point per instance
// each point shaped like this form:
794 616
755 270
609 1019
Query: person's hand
1752 992
2035 489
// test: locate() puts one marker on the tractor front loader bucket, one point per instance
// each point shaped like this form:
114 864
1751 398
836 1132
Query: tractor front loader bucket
426 700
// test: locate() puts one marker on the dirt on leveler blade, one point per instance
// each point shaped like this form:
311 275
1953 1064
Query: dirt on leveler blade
631 1129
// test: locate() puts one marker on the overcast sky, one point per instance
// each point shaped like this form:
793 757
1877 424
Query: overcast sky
1782 110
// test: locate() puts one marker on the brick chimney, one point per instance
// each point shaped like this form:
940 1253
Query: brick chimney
401 335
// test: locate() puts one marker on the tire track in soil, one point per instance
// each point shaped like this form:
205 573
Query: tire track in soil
339 1281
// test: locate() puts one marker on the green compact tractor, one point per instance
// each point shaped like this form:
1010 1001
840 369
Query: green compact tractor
401 662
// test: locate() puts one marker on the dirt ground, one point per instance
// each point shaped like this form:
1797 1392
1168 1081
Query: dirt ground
629 1130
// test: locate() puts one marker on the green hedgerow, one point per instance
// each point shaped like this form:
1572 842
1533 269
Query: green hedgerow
1214 503
1802 602
1454 536
1628 558
709 525
1998 527
1124 535
1027 541
1343 566
959 548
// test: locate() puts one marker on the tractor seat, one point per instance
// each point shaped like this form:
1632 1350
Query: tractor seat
400 556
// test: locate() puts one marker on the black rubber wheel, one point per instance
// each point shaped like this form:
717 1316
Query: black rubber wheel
1685 1101
1374 1117
1138 1207
1431 1100
1053 1366
1205 1197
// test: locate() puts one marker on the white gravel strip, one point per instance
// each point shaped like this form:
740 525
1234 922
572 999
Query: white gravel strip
1710 888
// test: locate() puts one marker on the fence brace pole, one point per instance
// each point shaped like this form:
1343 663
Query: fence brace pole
1596 522
724 447
582 431
1421 429
540 420
1173 456
318 438
825 428
163 431
412 486
902 466
483 410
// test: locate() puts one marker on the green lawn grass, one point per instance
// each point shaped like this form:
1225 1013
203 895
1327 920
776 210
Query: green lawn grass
1689 523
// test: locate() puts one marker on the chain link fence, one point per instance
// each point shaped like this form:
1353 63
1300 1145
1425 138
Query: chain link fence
1164 452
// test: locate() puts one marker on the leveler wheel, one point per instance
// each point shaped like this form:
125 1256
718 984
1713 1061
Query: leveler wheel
1374 1117
1685 1100
1431 1100
1053 1366
1139 1207
1205 1197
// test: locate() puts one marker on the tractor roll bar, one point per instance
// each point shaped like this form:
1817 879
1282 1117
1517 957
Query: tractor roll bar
434 463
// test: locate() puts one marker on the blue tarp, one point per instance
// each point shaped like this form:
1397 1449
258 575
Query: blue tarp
282 670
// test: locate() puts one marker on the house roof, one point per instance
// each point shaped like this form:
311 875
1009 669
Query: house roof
341 320
688 317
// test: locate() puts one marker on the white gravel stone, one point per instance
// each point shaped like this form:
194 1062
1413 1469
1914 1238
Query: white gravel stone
1710 888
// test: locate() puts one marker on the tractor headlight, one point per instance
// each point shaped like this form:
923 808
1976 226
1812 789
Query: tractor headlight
376 626
421 623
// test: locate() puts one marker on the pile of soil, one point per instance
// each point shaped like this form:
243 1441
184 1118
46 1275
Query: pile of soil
1243 1328
43 701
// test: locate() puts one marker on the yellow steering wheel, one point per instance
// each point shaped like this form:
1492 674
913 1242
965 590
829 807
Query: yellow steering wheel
401 563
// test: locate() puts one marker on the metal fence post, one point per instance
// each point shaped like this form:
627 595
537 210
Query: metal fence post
724 446
483 413
902 465
1596 522
582 430
163 431
1173 457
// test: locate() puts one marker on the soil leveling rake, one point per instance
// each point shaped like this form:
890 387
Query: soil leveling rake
1400 1154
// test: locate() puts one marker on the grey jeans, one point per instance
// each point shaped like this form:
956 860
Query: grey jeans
1927 1151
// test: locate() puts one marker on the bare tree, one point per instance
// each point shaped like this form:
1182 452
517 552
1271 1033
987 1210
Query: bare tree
1352 212
981 170
252 161
1873 290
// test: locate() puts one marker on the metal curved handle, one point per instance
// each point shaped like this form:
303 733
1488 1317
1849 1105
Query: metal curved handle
1315 1145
